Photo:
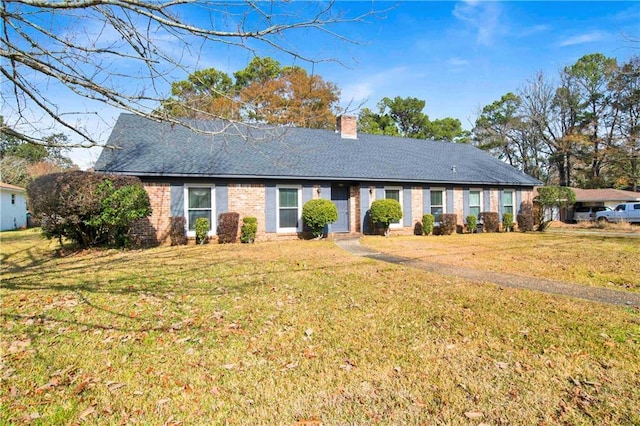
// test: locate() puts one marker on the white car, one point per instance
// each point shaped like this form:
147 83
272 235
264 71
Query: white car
587 213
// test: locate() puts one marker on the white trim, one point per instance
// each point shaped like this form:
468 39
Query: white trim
400 192
212 187
299 216
513 202
479 205
443 205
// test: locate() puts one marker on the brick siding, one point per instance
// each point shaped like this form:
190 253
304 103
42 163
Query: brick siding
249 200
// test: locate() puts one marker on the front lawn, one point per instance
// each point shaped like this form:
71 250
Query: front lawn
596 260
297 332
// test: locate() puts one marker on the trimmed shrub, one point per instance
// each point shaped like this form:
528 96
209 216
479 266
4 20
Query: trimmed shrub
428 221
317 214
249 229
525 218
177 233
384 212
448 223
507 222
228 227
525 222
202 229
472 223
417 228
490 221
90 209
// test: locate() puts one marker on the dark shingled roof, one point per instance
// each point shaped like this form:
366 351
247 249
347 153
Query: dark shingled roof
148 148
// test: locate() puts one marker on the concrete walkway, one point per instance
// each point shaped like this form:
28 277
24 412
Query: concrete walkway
580 291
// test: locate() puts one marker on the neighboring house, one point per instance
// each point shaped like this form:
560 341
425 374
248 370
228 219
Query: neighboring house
13 207
601 197
269 173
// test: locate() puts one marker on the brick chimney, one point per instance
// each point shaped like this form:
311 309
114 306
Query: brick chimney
347 126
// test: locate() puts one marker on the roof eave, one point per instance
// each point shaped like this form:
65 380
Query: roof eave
318 178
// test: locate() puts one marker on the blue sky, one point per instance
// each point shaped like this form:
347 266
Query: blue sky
457 56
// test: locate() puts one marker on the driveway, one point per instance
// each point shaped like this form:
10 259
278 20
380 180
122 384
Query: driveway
579 291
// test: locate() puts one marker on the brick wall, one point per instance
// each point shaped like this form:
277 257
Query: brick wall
494 196
249 200
354 209
416 205
155 229
458 204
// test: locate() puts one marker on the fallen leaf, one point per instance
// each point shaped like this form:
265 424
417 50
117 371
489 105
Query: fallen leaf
113 386
309 422
87 412
162 401
309 353
473 415
81 387
19 345
51 384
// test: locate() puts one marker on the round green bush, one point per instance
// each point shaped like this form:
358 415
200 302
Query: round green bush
385 212
317 214
249 229
472 223
428 221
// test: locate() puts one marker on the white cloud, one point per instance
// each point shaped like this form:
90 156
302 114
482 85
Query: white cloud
536 29
483 17
365 87
458 62
583 38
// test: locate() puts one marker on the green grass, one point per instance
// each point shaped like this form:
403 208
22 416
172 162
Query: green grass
287 332
601 261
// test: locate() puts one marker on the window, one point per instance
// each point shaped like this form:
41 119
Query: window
437 203
13 198
289 211
199 203
507 202
394 193
474 203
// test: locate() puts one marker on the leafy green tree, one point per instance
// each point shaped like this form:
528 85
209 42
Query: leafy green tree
404 117
203 93
498 127
553 196
376 124
447 129
259 71
592 75
407 114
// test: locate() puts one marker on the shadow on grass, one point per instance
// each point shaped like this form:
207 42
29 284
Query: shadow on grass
141 273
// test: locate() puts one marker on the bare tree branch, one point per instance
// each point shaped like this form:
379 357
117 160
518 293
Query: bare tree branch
125 53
